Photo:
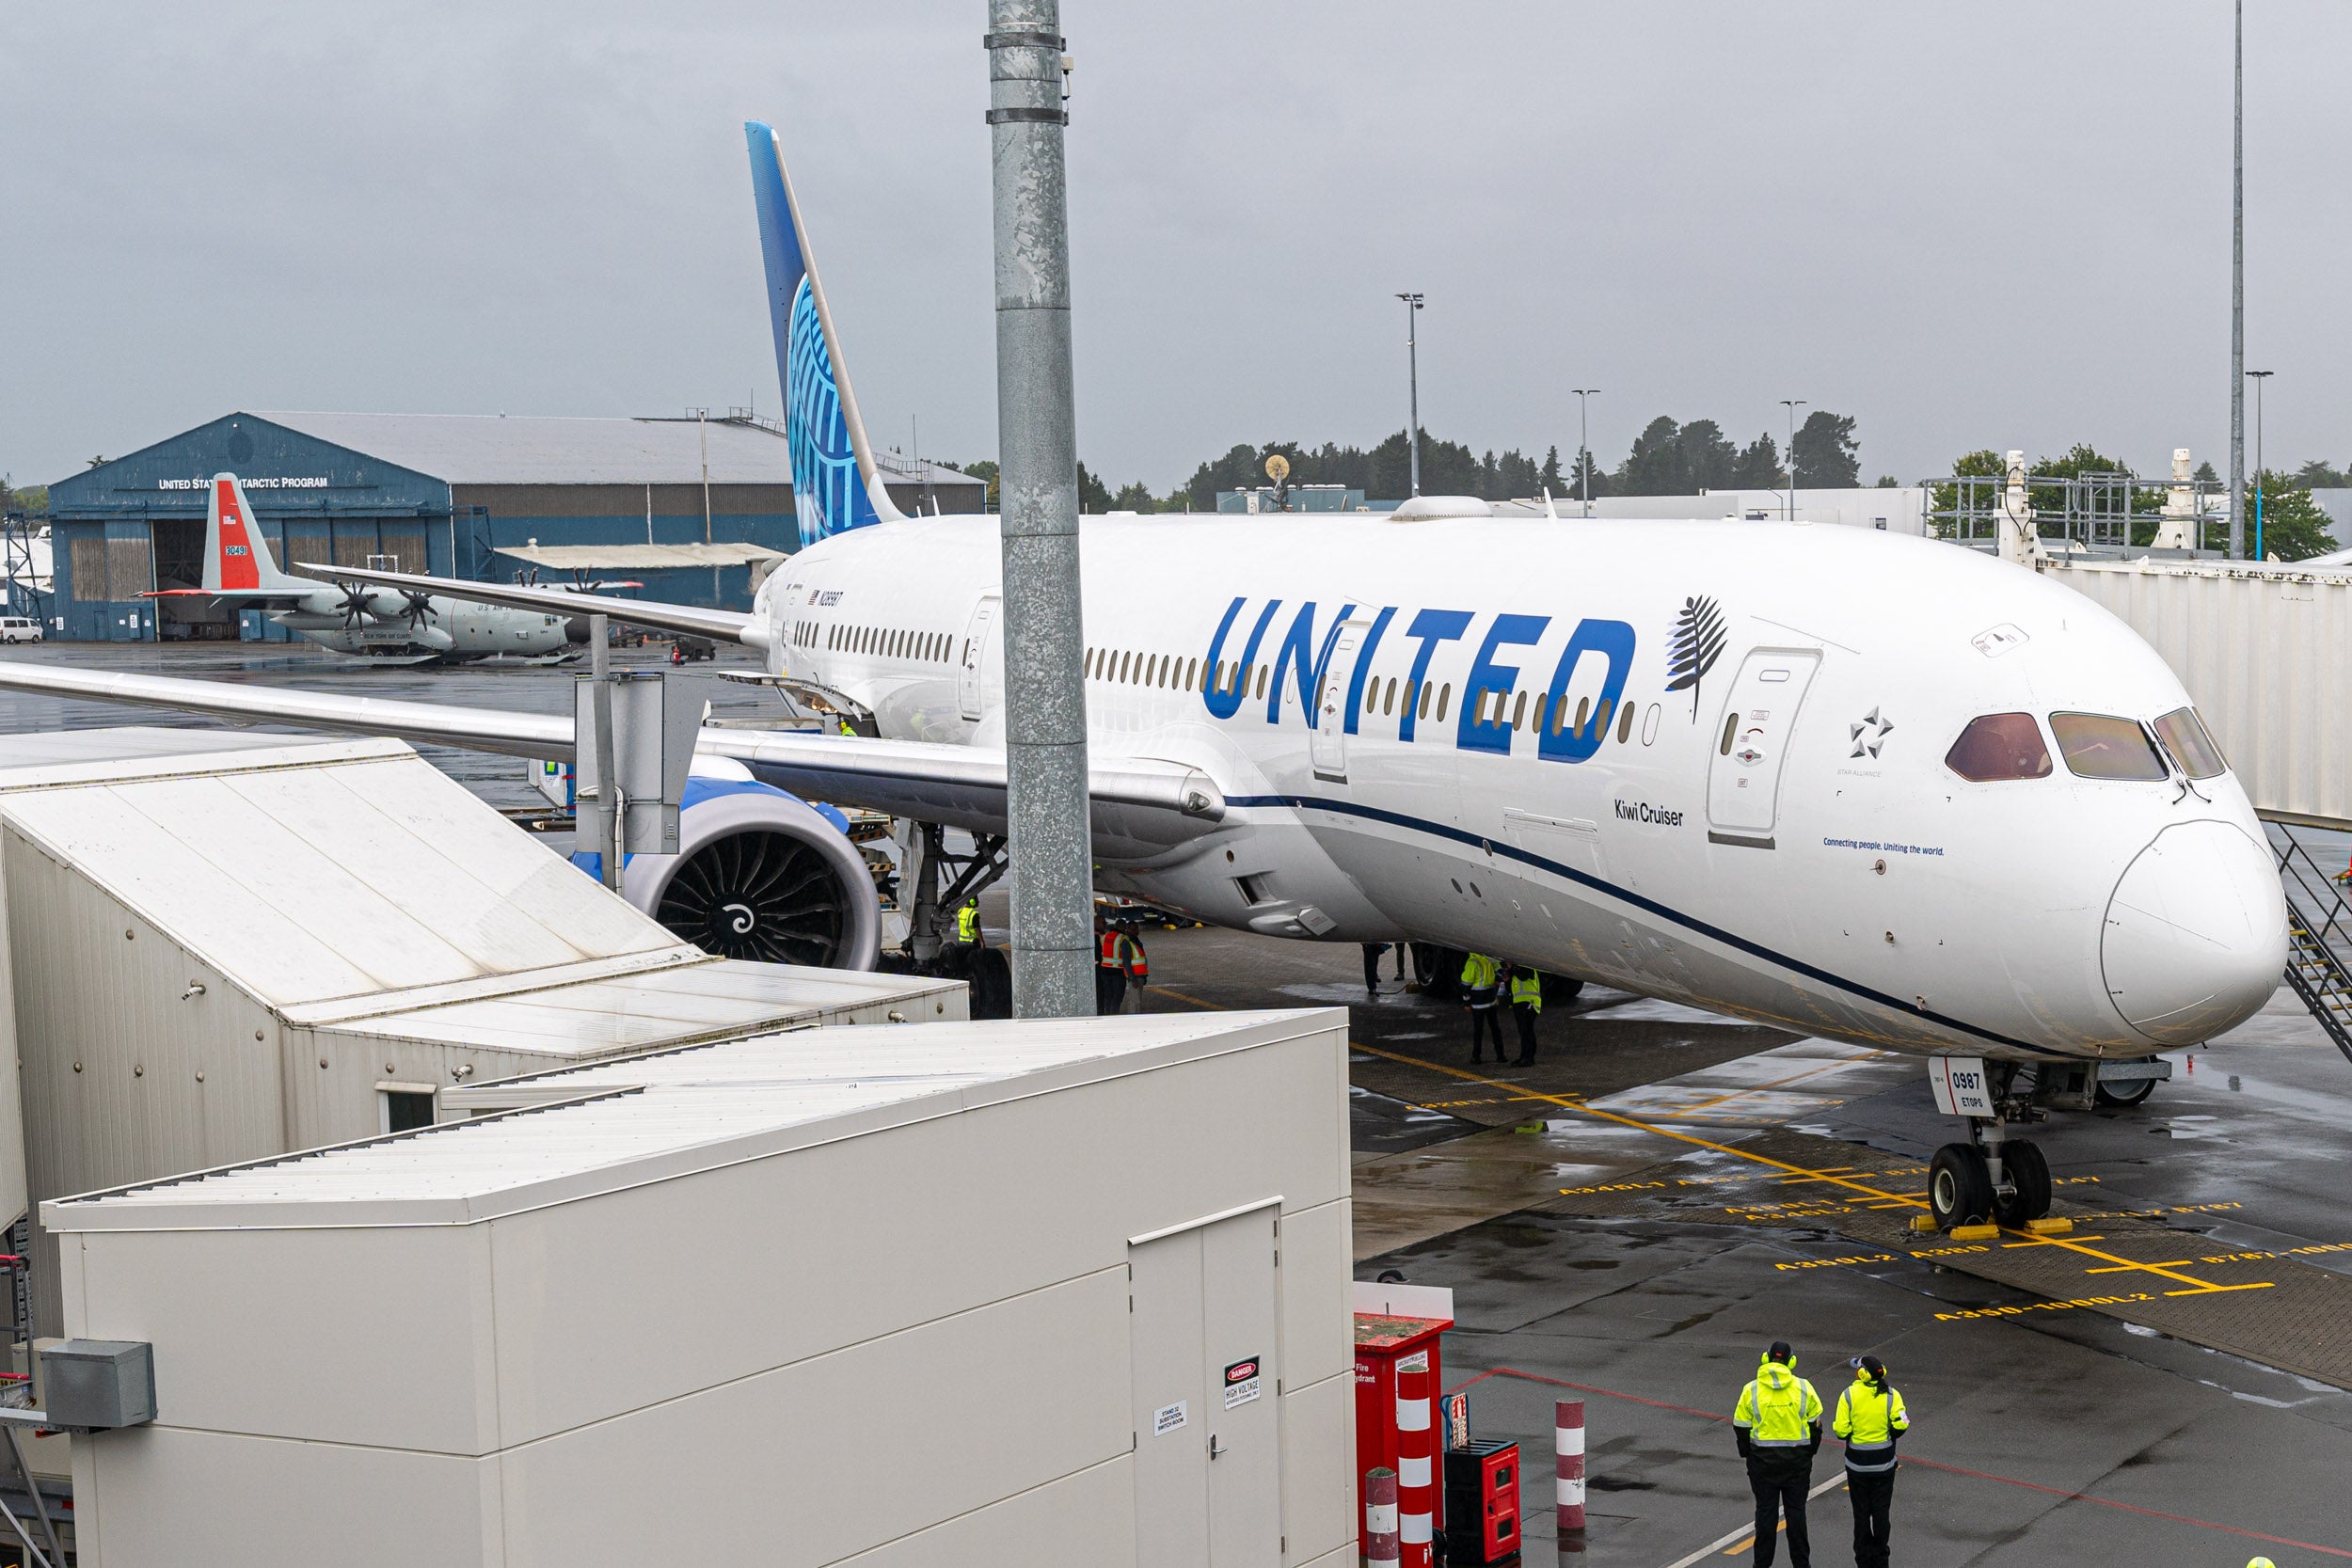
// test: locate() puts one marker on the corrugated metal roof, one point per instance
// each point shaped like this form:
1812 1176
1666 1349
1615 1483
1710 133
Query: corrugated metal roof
333 869
637 558
530 448
664 1116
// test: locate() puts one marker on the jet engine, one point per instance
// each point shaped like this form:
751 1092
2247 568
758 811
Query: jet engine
759 874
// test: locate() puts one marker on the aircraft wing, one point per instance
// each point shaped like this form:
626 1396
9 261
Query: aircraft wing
1141 803
727 625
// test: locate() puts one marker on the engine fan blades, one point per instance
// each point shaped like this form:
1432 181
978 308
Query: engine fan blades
420 609
761 895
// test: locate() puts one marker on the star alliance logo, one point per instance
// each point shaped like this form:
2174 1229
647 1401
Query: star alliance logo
1868 735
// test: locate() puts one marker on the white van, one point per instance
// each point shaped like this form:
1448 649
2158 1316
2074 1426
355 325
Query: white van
16 628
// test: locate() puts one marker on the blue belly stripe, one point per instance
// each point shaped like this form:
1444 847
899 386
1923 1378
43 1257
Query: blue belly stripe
1651 905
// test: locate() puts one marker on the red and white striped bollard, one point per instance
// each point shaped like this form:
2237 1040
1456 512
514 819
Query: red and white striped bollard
1416 1447
1567 1445
1380 1550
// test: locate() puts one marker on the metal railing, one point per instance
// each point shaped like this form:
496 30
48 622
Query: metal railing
2319 936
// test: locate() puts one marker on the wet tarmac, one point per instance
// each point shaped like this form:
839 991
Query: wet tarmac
1630 1220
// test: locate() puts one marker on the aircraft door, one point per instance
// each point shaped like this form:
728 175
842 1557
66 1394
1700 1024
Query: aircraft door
1752 745
979 638
1327 747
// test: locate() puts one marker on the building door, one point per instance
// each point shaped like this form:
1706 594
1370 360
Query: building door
1327 747
1760 716
1208 1436
978 639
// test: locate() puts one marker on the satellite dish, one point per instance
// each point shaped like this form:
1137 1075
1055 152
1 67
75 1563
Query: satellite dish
1278 467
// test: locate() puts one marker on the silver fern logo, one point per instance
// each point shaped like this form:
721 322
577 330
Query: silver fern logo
1696 643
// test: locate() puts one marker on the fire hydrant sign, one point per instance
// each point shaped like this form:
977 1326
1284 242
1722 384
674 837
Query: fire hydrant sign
1241 1383
1168 1419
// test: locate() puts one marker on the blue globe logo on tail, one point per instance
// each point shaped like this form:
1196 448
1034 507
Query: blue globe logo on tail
827 491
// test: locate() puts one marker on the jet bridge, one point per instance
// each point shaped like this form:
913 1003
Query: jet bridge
226 948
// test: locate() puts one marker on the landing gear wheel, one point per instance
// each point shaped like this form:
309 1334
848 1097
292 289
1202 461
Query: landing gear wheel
2122 1098
1960 1188
990 978
2028 1173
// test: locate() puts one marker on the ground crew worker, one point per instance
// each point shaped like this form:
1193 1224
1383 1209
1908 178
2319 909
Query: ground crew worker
1110 980
1527 999
1779 1422
1870 1416
968 924
1135 965
1480 982
1372 967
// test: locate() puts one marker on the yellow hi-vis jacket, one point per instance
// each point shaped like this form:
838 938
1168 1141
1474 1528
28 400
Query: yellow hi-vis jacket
1527 991
1479 972
968 924
1869 1421
1778 1409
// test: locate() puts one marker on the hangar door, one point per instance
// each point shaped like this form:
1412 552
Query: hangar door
1208 1436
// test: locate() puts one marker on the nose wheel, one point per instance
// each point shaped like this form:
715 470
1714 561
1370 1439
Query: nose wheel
1992 1177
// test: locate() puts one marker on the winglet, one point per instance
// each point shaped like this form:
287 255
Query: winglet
836 486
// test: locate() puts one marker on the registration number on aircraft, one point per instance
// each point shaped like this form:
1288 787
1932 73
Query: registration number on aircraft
1961 1089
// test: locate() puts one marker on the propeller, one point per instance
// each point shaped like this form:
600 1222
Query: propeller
354 604
419 607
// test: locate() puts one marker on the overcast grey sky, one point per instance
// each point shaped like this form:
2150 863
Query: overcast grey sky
1966 225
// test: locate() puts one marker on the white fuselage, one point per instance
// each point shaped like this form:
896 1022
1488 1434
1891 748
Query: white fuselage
1781 839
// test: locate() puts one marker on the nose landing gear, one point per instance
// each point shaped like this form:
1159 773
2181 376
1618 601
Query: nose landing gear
1992 1177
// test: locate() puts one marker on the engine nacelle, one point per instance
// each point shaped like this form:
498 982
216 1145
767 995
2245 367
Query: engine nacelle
759 874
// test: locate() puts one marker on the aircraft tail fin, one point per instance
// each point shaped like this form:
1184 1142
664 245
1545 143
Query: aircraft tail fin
237 556
836 486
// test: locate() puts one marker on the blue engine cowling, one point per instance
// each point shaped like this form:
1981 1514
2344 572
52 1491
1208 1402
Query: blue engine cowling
759 874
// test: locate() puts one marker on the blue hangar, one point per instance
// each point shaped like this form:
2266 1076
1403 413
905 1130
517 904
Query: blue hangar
698 510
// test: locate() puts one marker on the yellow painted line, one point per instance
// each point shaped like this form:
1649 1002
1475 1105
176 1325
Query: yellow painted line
2047 1240
2215 1289
1891 1199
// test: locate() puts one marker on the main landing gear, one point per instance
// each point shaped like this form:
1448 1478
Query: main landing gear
1992 1177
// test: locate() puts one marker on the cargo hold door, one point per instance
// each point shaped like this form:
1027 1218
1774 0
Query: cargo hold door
1752 745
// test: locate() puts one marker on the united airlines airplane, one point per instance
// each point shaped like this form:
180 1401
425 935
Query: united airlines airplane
1857 785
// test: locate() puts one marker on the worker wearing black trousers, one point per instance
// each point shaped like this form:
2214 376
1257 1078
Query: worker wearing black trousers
1372 967
1871 1419
1778 1424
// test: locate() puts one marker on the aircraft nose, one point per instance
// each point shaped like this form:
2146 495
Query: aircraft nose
2196 936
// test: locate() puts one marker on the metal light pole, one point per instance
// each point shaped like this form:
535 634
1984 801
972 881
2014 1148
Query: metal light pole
2237 303
1412 362
1048 824
1792 404
1584 444
2258 377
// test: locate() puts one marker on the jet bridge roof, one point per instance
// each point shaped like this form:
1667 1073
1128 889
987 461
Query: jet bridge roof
634 1122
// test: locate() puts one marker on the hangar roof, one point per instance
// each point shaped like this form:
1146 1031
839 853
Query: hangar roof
527 449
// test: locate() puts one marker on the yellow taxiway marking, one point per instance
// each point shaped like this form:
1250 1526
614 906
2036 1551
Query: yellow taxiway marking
1883 1198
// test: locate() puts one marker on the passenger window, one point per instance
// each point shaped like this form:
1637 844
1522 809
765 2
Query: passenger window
1371 697
1443 692
2184 734
1625 723
1518 712
1997 746
1388 703
1262 674
1600 721
1427 692
1478 708
1192 673
1583 711
2098 746
1731 731
1541 698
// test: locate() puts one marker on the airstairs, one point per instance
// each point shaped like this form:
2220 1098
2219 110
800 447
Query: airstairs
2319 937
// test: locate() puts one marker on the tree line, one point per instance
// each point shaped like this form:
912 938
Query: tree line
1668 458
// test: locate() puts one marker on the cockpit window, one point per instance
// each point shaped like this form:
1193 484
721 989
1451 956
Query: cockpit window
2096 746
1999 746
2184 734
